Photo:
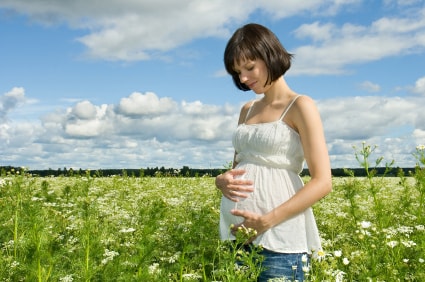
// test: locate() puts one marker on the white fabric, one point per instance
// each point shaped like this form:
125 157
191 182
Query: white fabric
273 157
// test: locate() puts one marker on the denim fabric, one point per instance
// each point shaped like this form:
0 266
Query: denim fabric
278 265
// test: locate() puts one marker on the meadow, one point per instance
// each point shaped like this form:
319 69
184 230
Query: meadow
125 228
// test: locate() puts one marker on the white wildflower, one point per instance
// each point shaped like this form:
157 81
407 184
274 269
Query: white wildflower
392 244
420 227
191 276
338 254
339 276
345 261
127 230
304 258
154 269
109 256
408 244
365 224
67 278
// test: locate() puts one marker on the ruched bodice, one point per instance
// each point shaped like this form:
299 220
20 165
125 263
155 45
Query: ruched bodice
272 156
273 144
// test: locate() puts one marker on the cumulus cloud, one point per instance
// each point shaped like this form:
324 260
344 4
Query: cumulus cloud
419 87
361 118
87 135
138 104
335 47
84 110
140 30
9 101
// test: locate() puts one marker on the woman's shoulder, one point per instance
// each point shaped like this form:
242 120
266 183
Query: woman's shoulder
305 111
303 101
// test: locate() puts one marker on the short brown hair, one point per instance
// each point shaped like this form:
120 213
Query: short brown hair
254 41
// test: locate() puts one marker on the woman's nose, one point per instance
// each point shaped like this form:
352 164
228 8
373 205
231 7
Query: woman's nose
242 78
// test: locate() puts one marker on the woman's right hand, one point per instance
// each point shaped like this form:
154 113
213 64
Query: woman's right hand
232 186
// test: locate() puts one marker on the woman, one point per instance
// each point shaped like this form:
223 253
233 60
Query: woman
275 134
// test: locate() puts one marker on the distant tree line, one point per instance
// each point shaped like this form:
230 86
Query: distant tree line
185 171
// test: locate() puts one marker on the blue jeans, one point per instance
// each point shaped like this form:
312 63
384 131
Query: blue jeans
278 265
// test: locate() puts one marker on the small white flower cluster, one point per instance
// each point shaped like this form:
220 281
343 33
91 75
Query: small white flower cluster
154 269
127 230
191 276
109 256
67 278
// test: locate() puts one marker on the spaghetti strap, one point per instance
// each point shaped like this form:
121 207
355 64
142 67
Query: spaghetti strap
289 106
249 110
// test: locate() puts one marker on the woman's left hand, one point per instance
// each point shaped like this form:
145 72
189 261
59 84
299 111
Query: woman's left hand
251 220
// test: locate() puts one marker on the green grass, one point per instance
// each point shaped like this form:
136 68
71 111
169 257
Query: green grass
165 229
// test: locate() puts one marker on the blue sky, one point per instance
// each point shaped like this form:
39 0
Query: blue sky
132 84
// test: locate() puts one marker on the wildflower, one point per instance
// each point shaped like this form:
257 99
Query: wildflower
67 278
127 230
421 260
304 258
420 147
154 269
109 256
405 260
365 224
338 254
392 244
339 275
191 276
320 255
408 244
174 258
345 261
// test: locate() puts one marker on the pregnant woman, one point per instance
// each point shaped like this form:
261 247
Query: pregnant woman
276 133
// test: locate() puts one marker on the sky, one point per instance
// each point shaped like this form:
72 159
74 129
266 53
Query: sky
98 84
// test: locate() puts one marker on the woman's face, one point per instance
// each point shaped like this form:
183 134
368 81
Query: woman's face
253 73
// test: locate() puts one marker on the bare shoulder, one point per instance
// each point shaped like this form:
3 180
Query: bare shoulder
244 111
304 101
247 105
305 105
305 113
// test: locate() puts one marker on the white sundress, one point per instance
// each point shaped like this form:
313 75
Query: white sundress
272 155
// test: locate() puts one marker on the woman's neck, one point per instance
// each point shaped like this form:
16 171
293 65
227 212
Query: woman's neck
278 91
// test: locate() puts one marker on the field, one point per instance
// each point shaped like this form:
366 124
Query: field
125 228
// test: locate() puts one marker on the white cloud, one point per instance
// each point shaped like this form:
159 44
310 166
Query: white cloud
94 136
11 100
139 30
370 86
138 104
419 87
334 47
84 110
